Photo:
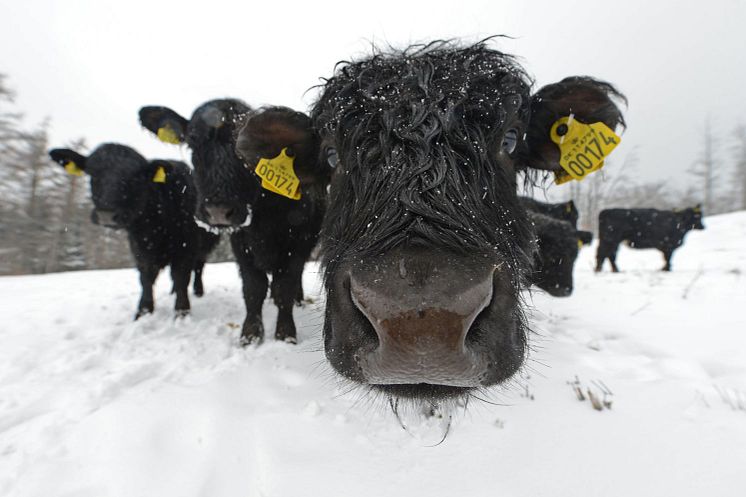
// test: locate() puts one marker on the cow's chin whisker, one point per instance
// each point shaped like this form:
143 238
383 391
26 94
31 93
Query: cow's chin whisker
217 230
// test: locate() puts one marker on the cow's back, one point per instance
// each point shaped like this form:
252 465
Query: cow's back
642 228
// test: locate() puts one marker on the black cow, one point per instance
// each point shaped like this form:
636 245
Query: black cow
154 202
565 211
557 250
425 245
644 228
270 232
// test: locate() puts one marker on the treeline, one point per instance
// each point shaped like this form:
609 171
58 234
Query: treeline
45 214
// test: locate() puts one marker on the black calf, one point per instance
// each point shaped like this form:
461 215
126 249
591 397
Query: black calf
555 257
154 201
644 228
425 244
275 227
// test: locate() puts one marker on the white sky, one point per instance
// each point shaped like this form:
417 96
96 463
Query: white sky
89 65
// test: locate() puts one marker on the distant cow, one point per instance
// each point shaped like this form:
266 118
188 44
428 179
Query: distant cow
557 249
644 228
271 232
425 245
154 202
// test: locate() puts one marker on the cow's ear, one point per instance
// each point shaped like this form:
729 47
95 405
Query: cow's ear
586 99
584 237
72 161
159 170
165 123
698 208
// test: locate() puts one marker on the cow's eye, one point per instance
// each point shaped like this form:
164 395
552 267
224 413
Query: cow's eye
510 140
331 157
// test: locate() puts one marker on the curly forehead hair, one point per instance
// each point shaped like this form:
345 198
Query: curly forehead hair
452 81
417 132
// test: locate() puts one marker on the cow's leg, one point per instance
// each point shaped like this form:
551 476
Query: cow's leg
667 253
199 290
148 274
606 250
181 272
299 292
254 286
285 283
600 256
612 260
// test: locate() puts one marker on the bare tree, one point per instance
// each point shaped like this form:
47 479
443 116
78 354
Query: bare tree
705 168
739 149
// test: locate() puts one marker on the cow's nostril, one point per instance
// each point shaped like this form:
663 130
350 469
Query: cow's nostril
218 215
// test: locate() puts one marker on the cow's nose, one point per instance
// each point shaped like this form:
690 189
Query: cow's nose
105 218
422 331
561 291
219 214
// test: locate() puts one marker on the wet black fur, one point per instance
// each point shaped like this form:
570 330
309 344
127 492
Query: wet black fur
158 217
418 135
644 228
282 232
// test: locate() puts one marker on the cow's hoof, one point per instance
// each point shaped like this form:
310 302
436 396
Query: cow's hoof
198 291
249 340
285 331
306 301
181 313
252 333
142 312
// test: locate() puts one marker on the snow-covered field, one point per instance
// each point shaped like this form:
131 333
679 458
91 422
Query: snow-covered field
94 405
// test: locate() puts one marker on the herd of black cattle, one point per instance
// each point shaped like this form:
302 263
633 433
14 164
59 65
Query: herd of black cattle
404 175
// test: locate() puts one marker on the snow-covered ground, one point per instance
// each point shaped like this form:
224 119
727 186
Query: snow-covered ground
93 404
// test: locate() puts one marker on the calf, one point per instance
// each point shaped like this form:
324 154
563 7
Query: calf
154 202
557 248
272 230
644 228
425 245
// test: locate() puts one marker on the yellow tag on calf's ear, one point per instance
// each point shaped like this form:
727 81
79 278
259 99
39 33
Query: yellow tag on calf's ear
580 244
278 175
160 175
72 168
167 135
583 147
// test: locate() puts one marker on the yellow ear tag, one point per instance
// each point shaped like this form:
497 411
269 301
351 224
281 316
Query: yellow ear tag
580 244
583 147
160 175
278 175
167 135
72 168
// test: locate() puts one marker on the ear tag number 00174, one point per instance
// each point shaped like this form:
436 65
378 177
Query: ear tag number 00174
278 175
583 147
